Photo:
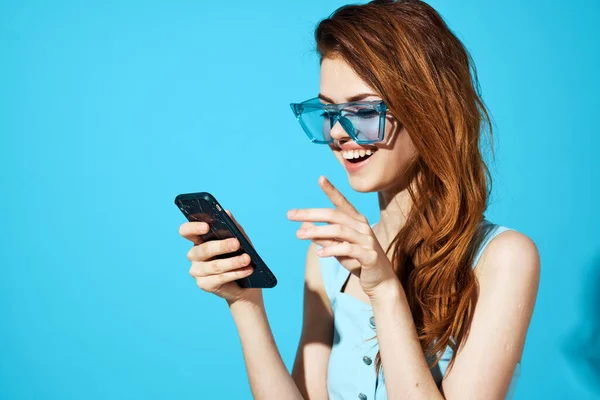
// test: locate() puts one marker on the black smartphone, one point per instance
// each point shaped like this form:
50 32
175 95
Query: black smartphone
203 207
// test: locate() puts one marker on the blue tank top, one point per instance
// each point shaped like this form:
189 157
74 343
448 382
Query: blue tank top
351 370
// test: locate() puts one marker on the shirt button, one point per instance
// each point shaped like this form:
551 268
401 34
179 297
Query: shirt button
367 360
362 396
372 322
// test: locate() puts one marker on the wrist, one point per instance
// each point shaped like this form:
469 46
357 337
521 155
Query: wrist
388 291
247 302
247 312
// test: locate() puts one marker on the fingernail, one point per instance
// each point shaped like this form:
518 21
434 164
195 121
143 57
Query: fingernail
302 232
292 213
233 244
320 251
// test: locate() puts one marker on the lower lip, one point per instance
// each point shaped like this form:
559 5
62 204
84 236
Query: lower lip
353 167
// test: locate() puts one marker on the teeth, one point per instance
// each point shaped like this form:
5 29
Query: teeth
350 154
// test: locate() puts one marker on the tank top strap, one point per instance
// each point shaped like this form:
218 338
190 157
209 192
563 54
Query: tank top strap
490 231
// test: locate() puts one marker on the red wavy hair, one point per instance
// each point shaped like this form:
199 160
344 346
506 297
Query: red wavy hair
428 80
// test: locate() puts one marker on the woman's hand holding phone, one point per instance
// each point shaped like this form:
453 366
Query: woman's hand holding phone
217 275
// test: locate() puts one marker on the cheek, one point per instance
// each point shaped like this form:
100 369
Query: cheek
404 147
398 158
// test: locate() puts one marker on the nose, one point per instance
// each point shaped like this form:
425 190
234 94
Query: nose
337 132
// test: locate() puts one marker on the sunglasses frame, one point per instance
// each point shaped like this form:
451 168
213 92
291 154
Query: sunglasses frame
335 113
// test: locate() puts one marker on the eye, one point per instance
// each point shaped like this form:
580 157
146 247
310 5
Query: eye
326 114
367 113
364 113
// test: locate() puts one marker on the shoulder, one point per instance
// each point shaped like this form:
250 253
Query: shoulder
512 250
510 258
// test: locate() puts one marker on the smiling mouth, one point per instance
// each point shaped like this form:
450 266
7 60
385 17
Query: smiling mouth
357 156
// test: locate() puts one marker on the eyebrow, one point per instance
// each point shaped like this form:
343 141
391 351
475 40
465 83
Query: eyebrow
356 97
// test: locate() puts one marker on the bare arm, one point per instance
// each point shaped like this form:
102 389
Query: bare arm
268 376
310 367
508 276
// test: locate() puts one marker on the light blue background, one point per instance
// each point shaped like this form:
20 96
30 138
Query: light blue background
110 109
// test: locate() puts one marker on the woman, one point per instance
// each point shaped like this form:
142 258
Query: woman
441 313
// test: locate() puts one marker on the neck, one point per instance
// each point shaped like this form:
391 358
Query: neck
394 207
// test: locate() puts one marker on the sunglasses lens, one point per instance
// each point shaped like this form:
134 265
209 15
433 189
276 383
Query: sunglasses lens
366 121
317 124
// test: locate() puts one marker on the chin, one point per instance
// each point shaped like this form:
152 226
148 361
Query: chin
363 183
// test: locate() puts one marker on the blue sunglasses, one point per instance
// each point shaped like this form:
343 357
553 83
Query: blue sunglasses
363 121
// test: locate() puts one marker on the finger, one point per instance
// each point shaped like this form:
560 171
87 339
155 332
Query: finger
365 257
238 225
320 242
336 232
307 225
219 266
193 230
338 199
212 283
328 215
206 251
347 262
